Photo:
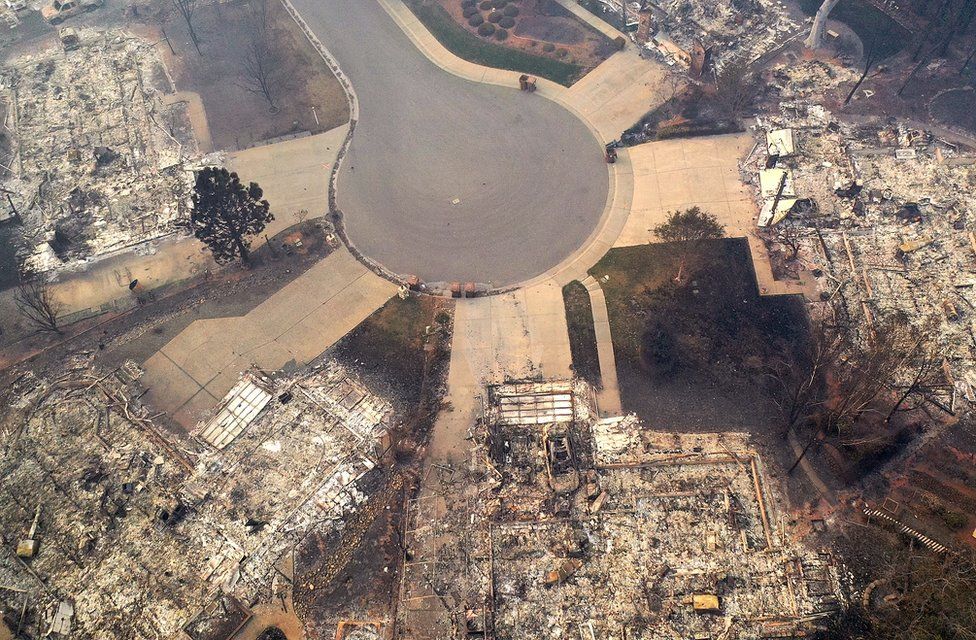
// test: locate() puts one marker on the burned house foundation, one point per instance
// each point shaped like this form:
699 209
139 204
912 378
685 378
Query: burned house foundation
576 526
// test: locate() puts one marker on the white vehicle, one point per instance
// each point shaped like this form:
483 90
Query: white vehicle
15 5
58 11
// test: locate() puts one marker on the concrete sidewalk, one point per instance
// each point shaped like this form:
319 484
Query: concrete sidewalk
615 95
294 174
609 396
196 369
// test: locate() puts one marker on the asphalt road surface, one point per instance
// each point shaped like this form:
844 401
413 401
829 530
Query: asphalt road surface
452 180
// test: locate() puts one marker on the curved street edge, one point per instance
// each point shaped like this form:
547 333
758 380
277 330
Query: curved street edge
621 183
353 101
620 190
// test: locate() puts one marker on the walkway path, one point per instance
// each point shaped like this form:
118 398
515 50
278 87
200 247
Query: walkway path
189 375
609 395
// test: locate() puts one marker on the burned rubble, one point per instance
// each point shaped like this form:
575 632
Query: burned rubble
100 158
123 527
883 211
575 525
693 34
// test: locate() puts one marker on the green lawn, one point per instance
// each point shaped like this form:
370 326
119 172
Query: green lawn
468 46
582 334
630 273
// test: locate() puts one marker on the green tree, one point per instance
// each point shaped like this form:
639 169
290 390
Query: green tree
689 227
226 212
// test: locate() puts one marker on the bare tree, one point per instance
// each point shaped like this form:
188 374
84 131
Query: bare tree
969 58
263 62
815 39
735 87
924 367
835 381
799 383
36 302
790 235
870 370
186 9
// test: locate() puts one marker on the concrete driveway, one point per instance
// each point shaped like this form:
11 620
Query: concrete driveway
449 179
195 369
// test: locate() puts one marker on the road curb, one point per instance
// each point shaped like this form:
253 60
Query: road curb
614 215
334 212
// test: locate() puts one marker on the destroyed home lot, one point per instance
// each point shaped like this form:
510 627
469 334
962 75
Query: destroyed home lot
571 524
308 97
100 159
307 468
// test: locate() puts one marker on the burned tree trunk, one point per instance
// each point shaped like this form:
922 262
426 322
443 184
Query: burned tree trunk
869 60
36 303
815 39
186 9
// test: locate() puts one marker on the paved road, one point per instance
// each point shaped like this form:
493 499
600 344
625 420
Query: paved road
529 176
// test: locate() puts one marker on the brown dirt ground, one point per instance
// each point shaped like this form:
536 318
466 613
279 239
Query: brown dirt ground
237 117
364 583
930 97
938 487
545 21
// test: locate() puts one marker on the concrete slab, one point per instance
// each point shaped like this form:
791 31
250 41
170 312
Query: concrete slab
677 174
167 384
608 397
618 92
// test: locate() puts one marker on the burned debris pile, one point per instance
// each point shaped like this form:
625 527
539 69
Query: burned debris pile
694 34
883 211
590 527
99 158
128 528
